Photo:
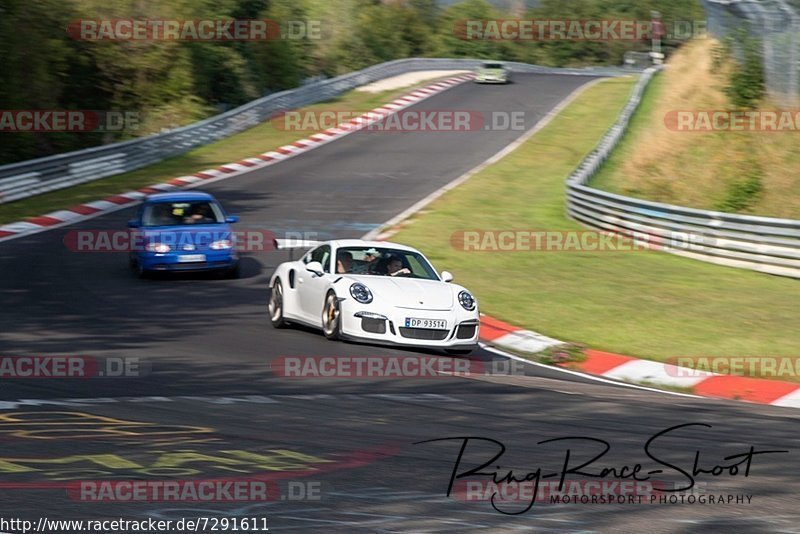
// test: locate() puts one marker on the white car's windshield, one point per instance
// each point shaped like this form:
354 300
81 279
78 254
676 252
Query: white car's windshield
492 66
383 262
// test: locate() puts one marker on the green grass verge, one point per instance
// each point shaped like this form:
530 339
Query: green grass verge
747 172
647 304
247 144
605 177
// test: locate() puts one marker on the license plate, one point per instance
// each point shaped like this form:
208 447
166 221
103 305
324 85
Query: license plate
433 324
190 258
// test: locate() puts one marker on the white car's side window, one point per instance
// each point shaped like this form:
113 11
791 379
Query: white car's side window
324 257
322 254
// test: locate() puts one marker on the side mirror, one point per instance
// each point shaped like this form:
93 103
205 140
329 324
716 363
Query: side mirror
230 219
314 267
447 276
133 223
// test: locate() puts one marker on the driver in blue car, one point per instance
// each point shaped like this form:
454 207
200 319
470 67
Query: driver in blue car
201 214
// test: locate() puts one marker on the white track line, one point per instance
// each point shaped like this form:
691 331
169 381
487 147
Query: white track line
587 376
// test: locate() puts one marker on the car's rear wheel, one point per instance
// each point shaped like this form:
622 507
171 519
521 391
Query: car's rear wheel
276 305
331 317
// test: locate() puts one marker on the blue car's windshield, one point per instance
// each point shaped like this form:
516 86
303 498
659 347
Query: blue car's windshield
182 213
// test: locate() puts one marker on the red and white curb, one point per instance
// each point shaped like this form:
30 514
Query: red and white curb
58 218
629 369
506 336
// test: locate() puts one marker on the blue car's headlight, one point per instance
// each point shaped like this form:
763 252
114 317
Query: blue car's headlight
361 293
161 248
222 244
466 300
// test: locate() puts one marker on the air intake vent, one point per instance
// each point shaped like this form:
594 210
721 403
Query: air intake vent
423 333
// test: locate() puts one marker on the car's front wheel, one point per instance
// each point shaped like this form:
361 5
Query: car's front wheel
138 270
331 317
231 273
276 305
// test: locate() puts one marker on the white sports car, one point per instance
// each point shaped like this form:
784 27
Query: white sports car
373 291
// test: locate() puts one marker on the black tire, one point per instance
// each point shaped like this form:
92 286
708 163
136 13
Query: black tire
275 306
331 317
138 271
233 272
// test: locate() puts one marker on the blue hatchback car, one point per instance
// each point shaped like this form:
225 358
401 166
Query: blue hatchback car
184 231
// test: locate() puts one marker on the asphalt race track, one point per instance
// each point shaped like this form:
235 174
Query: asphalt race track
208 406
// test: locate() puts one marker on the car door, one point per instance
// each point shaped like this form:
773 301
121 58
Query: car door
312 287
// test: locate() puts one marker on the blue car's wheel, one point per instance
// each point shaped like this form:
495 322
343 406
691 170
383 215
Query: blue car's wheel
138 270
232 272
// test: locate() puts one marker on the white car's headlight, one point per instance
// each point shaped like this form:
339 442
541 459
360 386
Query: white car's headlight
466 300
361 293
161 248
222 244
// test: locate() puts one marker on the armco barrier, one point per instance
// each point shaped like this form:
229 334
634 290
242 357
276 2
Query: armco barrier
33 177
763 244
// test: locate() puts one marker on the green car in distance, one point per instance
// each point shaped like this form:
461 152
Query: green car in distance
493 73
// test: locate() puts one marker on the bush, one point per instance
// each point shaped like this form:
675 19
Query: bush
746 86
743 193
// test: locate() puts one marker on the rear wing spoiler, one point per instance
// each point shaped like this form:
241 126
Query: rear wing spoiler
294 244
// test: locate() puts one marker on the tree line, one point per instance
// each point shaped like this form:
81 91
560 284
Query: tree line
171 82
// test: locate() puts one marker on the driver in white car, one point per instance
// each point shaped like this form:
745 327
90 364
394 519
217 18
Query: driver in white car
344 262
395 267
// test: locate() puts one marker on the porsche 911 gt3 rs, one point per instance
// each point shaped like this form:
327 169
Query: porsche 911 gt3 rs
373 291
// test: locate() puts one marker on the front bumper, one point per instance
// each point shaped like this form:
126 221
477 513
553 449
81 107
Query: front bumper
214 259
360 322
491 80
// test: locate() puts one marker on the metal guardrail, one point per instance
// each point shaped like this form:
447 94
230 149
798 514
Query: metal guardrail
33 177
764 244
